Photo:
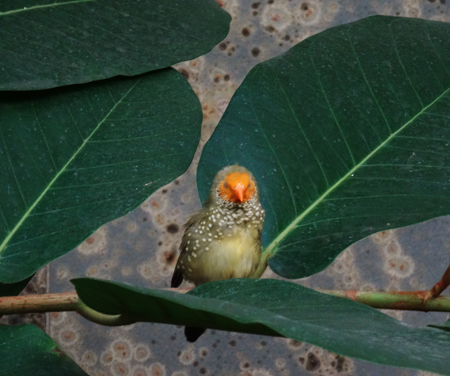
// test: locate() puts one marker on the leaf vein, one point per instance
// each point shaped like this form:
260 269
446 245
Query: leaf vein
28 212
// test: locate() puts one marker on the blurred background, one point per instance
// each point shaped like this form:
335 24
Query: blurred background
142 247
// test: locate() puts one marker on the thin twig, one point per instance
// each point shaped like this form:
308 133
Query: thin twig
62 302
440 286
69 301
399 300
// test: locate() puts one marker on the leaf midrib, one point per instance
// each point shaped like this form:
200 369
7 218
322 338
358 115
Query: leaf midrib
4 244
26 9
272 247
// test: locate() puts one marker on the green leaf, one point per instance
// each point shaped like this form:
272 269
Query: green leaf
26 350
445 326
279 308
45 43
347 134
74 158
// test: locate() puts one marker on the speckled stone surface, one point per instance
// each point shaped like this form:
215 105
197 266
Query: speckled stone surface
141 248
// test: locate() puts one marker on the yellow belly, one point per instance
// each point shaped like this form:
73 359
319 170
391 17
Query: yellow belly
235 256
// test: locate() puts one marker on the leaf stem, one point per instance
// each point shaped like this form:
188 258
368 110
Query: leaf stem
262 266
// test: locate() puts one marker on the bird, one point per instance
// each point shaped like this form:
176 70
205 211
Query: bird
223 239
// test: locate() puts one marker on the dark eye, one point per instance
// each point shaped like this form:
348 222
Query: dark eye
225 185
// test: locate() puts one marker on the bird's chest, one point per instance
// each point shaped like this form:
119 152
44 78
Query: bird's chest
235 253
238 251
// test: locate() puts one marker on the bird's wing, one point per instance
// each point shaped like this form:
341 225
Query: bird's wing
194 219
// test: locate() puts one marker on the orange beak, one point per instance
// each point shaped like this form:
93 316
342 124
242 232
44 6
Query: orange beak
239 191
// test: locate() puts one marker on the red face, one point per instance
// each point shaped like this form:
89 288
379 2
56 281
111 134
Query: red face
236 187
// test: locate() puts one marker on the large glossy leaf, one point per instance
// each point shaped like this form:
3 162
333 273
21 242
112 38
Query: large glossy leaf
72 159
282 308
46 43
445 326
348 133
26 350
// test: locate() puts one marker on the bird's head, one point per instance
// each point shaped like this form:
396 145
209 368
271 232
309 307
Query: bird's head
234 184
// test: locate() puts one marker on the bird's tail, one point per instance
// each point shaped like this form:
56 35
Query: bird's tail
192 334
